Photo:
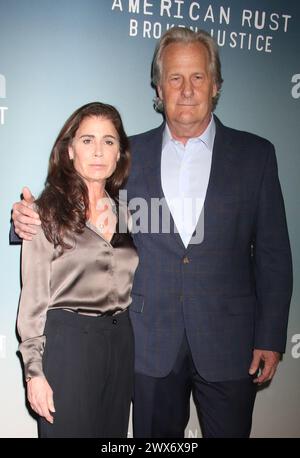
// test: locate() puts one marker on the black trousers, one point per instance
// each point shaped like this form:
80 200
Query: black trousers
161 407
88 362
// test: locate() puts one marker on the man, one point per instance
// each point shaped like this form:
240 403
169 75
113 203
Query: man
206 316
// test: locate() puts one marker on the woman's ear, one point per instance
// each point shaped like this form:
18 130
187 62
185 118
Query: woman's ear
71 153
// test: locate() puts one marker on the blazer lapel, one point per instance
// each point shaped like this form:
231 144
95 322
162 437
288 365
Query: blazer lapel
222 156
152 177
151 169
219 179
223 160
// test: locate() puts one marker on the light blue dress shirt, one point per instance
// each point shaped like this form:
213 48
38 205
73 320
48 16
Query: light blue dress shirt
185 171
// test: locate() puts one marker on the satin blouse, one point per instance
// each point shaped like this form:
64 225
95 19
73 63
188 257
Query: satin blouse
94 276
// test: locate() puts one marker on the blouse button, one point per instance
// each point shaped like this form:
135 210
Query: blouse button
114 321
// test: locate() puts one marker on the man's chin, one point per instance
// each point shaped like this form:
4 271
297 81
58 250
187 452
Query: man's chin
187 119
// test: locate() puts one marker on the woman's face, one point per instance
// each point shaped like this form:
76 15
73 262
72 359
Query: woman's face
95 149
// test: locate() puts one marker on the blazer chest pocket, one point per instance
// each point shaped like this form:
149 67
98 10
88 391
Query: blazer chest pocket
232 203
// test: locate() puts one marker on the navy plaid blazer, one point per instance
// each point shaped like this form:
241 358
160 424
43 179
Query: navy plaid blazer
230 293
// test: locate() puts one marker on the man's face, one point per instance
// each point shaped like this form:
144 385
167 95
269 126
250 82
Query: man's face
186 88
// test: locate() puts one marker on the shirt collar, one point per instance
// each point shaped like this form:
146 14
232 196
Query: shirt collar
207 137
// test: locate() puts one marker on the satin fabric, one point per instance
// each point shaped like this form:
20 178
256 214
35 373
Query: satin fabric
94 276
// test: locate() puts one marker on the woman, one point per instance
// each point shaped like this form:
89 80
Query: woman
77 341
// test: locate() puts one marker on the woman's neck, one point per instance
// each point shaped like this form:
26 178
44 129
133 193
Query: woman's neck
96 191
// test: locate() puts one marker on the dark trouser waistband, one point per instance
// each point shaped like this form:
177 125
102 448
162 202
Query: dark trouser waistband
80 321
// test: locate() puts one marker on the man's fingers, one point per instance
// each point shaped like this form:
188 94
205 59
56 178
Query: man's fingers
20 210
254 364
253 367
266 374
17 206
24 231
26 221
27 195
24 236
260 379
269 359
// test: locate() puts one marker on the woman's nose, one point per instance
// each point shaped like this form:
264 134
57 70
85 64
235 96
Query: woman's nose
98 152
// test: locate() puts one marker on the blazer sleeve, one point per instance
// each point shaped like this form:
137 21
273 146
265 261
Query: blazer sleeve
35 296
14 239
272 262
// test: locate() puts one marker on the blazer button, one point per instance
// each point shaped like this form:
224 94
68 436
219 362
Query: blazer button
186 260
114 320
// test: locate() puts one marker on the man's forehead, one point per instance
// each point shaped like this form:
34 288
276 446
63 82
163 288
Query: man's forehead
177 51
183 56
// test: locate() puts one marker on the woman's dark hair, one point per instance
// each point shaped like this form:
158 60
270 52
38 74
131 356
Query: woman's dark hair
64 203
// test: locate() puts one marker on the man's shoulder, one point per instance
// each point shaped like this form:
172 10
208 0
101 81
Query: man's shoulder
152 134
242 137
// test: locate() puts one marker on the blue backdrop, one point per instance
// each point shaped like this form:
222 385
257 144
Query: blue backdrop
57 55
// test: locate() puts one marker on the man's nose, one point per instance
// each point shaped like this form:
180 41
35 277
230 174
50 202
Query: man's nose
187 88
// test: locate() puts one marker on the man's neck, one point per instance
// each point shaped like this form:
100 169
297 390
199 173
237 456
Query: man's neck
183 132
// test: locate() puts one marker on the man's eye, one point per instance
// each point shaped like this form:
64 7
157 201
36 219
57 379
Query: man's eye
175 81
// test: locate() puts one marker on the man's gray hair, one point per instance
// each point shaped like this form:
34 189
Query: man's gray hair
187 36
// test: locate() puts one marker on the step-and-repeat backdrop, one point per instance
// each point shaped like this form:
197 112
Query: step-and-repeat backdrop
57 55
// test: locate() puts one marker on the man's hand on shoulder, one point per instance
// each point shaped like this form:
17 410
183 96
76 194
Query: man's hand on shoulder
24 217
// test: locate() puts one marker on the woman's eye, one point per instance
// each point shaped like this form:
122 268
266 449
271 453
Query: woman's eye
87 141
109 142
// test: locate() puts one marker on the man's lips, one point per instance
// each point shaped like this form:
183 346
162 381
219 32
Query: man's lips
187 104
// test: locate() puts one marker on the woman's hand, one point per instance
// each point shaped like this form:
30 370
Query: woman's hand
40 397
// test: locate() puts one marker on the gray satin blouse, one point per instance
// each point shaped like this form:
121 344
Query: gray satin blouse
93 276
